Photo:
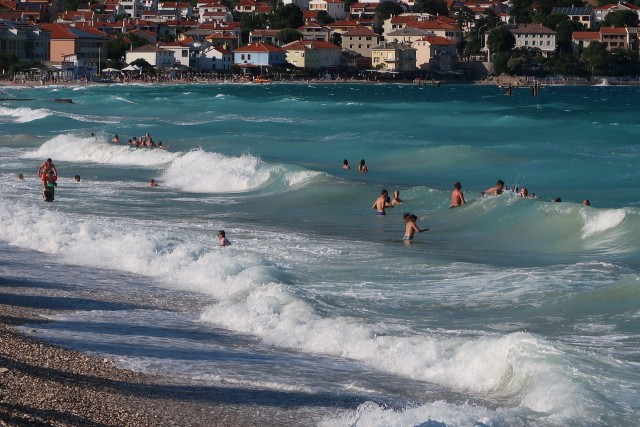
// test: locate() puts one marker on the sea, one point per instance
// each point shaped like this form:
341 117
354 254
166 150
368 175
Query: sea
509 311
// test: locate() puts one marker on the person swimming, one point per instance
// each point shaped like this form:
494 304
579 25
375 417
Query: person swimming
495 190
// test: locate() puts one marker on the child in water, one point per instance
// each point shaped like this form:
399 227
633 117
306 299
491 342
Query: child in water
223 240
412 227
49 185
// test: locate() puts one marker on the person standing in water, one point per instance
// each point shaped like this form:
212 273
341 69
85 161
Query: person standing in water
345 165
457 198
362 168
382 203
43 170
49 185
411 228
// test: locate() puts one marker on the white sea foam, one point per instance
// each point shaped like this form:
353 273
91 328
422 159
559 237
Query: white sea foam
599 221
73 148
24 114
204 172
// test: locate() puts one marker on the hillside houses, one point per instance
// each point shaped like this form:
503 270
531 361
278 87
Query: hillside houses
209 35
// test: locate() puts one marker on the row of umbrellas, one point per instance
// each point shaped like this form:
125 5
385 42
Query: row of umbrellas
127 68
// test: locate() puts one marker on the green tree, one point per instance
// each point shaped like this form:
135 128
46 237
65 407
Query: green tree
8 62
597 59
434 7
384 12
564 35
465 17
552 21
288 35
146 67
500 63
287 16
250 21
324 18
116 48
472 47
621 18
522 11
500 40
568 64
71 4
624 62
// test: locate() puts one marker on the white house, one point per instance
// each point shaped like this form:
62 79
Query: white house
335 8
215 59
155 56
180 52
133 8
261 54
534 36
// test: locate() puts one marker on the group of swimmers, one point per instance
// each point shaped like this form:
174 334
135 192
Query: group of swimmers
362 167
145 141
457 199
384 201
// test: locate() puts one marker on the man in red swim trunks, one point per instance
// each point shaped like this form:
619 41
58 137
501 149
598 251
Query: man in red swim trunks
44 169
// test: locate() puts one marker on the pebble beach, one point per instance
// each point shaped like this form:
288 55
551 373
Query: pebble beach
45 385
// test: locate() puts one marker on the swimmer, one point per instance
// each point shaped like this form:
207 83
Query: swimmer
396 198
557 200
77 178
161 146
223 240
362 168
586 202
153 183
382 203
412 227
116 139
457 198
494 191
20 176
345 164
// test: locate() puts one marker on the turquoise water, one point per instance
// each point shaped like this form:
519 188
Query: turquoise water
509 312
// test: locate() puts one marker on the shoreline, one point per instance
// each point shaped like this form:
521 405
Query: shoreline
44 384
502 81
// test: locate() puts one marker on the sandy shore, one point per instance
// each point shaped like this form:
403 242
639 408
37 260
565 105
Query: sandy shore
41 384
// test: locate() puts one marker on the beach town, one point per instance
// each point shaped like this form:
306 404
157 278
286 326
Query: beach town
47 43
44 42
